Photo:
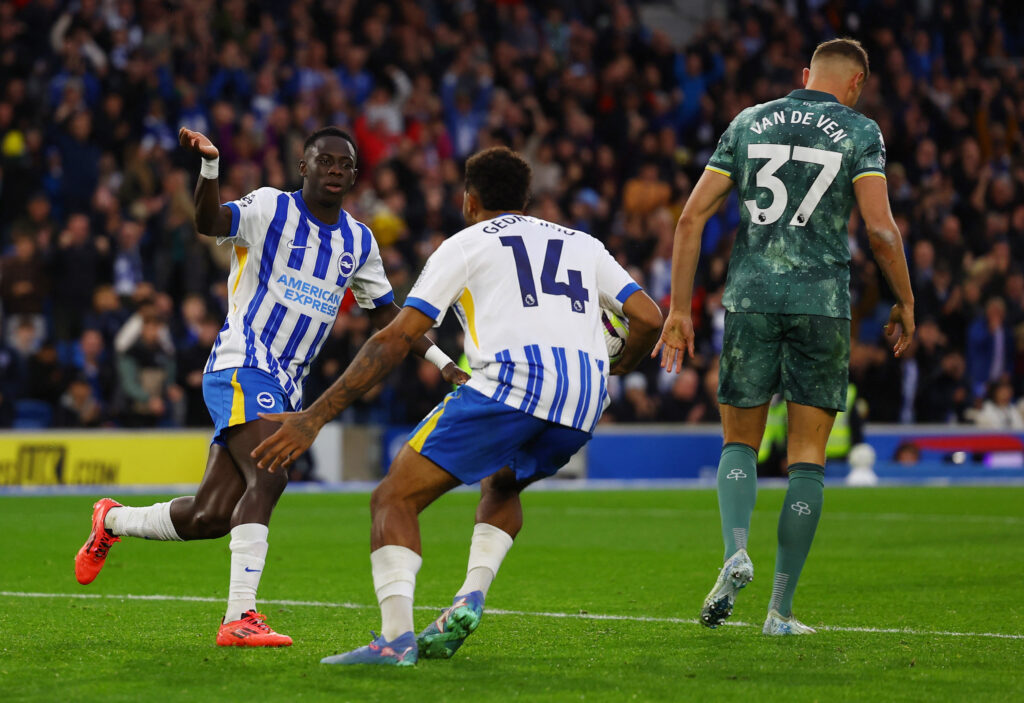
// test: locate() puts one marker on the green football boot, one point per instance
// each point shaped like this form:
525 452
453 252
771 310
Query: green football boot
443 637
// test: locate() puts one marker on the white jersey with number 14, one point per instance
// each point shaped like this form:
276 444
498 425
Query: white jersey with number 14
529 295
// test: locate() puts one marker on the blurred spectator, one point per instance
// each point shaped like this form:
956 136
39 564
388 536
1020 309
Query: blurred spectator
998 411
25 341
79 406
947 396
24 283
128 271
713 414
193 316
77 266
80 158
10 380
146 306
420 391
45 377
465 93
147 378
191 362
106 315
37 218
645 193
686 401
989 346
907 454
636 404
94 365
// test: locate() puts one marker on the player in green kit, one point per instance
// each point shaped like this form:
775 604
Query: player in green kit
799 163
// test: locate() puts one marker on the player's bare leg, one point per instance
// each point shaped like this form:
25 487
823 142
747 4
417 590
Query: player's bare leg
248 521
743 429
413 482
207 514
203 516
499 501
499 517
744 425
809 428
808 432
262 488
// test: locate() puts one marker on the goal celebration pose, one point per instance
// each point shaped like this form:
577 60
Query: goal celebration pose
799 164
294 256
529 295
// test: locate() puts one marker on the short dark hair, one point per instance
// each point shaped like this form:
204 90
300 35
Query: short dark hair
500 177
330 131
844 47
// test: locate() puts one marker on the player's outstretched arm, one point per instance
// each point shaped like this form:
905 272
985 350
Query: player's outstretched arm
887 246
644 323
212 218
677 336
381 353
381 317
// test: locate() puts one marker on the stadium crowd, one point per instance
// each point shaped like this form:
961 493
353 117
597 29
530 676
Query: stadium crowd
111 301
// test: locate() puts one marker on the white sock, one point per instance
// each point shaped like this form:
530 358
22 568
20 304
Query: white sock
151 522
394 580
486 552
248 555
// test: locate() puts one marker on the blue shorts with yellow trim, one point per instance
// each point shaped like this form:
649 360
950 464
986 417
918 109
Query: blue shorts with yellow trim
471 436
237 396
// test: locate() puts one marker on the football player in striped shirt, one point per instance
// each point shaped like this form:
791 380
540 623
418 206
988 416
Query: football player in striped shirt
293 257
529 296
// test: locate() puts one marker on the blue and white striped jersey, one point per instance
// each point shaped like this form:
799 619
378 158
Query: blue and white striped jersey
289 272
529 295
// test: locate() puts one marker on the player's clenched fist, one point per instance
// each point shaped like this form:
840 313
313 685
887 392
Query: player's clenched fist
197 142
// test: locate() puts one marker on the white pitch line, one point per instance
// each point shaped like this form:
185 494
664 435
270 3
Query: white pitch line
899 631
497 611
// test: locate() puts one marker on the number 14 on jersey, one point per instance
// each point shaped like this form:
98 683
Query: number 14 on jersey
573 290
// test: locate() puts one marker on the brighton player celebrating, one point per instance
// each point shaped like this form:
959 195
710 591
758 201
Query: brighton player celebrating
799 164
529 295
293 257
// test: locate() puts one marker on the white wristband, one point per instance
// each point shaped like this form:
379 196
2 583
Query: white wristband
437 357
210 169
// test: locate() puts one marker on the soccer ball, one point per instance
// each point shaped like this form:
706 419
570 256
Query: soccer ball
616 329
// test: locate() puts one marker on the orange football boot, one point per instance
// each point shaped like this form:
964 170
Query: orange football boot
93 554
250 631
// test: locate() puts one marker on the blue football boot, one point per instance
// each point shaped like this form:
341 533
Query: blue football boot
401 651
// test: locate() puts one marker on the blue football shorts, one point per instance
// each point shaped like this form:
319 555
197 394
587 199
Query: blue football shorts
471 436
237 396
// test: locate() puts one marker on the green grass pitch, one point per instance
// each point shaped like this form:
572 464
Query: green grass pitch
943 565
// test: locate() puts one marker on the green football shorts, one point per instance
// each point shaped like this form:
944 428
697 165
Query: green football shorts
805 357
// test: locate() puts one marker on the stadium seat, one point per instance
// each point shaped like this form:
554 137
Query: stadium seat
32 414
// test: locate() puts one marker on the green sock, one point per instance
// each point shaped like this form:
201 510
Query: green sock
737 493
801 511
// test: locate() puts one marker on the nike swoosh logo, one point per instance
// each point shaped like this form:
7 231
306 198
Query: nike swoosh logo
252 571
291 245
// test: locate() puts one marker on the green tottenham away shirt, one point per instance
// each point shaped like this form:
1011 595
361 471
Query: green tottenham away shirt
794 161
